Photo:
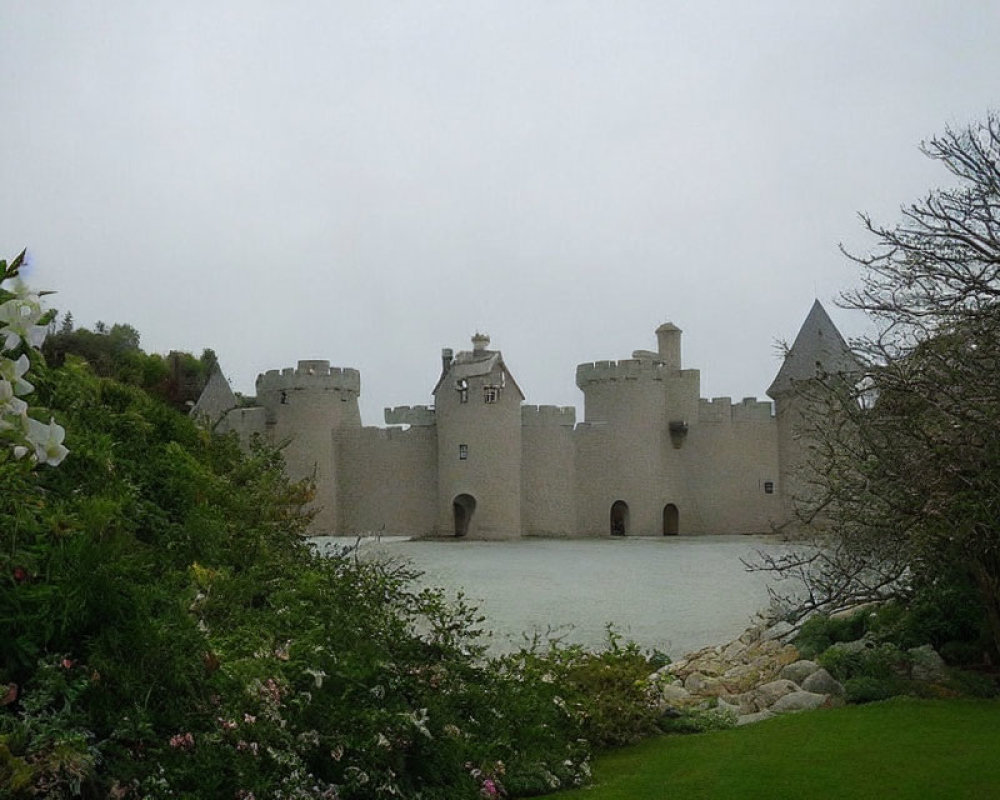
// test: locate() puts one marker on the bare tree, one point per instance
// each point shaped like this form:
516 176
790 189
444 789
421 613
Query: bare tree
905 455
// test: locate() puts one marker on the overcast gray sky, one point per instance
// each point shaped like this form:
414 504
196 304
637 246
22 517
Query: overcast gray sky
368 182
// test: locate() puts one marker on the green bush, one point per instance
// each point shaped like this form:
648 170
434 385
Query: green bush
880 662
605 690
820 631
866 689
168 632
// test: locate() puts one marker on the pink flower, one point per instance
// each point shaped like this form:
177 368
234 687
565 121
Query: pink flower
244 746
182 741
489 788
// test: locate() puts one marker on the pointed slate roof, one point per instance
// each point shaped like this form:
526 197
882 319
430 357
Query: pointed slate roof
216 398
817 345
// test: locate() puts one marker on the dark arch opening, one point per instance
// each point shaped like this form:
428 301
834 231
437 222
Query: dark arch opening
619 518
463 507
671 520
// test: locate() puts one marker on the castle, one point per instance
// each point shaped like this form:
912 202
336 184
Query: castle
651 457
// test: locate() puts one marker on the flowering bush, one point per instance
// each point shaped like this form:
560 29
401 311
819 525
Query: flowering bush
21 333
167 631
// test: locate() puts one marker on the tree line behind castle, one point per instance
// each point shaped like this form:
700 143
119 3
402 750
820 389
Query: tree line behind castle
114 352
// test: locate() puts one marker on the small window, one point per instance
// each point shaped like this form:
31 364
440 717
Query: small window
463 390
768 487
463 452
491 394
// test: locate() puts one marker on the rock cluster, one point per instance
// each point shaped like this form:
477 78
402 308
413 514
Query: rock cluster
752 678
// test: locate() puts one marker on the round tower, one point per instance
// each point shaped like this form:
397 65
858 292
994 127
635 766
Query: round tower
305 406
818 349
478 413
621 445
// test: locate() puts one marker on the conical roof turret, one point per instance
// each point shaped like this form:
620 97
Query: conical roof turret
818 346
216 398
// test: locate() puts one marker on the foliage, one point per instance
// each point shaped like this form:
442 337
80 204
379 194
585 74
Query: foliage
906 453
879 661
820 631
114 352
605 690
168 632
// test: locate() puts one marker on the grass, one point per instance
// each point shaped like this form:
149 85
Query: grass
901 748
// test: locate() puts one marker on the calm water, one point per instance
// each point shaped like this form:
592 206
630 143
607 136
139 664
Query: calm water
675 595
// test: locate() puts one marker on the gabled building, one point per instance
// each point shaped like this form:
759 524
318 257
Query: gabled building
651 456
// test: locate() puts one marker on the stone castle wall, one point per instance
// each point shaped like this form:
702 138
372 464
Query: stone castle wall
647 441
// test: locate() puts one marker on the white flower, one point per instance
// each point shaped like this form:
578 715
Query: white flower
20 317
47 441
13 371
10 405
318 676
419 721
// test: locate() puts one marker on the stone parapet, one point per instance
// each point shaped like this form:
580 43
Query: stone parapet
624 370
723 409
310 375
548 416
410 415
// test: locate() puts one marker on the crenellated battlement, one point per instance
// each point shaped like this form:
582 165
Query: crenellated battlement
626 369
723 409
373 434
420 416
546 416
316 374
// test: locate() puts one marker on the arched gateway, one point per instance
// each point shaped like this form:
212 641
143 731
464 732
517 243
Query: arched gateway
463 507
619 518
671 520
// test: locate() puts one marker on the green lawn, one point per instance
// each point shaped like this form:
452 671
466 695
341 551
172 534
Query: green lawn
901 748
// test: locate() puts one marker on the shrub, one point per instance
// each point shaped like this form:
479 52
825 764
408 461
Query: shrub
866 689
879 662
820 631
606 690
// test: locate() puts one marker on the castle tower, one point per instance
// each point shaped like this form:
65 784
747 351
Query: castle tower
305 407
478 413
818 349
216 399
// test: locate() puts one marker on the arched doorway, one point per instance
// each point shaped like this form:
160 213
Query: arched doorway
671 520
619 518
463 507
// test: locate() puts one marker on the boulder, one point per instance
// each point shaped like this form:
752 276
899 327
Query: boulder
741 678
798 701
749 719
704 685
673 695
708 664
728 709
779 630
927 665
734 651
768 694
822 682
798 671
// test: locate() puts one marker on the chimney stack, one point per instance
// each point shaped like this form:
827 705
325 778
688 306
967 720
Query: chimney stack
480 342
